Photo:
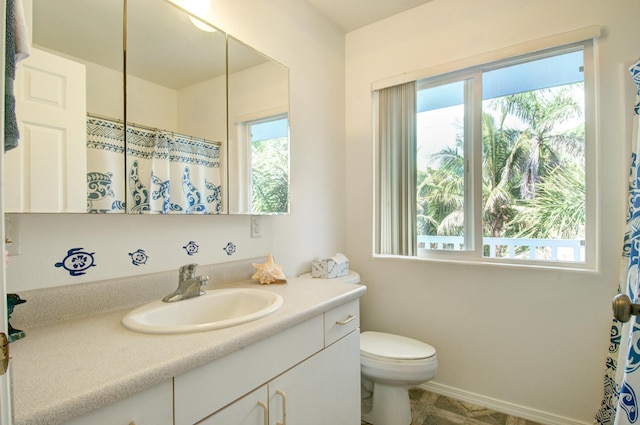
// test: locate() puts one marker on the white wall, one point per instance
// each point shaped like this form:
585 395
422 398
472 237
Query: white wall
152 105
197 110
313 49
529 337
104 91
202 110
258 92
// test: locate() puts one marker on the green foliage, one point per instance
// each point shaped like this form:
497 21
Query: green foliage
270 175
533 173
441 196
557 211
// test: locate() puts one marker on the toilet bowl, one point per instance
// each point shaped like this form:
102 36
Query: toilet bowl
390 365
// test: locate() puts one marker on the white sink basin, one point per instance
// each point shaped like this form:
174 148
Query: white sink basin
219 308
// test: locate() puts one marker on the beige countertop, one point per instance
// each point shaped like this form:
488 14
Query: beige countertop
64 369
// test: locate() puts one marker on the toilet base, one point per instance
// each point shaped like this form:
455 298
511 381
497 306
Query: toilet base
390 405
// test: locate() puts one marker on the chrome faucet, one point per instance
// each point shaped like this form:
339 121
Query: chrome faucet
189 285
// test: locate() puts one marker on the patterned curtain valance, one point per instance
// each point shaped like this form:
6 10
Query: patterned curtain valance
160 144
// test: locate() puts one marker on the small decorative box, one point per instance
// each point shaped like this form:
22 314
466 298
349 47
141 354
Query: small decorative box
331 267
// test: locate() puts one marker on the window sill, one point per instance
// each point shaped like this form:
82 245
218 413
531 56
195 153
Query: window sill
443 257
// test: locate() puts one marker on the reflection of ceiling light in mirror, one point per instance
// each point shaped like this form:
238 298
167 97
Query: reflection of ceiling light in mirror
201 25
198 8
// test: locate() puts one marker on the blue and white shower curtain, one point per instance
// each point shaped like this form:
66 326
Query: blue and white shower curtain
105 166
166 173
622 385
172 174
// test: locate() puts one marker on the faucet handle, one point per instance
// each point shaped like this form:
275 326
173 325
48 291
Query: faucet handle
203 280
188 271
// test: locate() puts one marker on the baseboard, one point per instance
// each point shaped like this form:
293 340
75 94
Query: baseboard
501 406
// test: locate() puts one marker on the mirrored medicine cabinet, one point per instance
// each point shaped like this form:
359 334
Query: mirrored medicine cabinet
137 107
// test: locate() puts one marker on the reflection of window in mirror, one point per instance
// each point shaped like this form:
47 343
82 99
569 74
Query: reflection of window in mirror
266 142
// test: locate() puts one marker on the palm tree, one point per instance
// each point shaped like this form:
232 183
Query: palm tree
557 211
533 177
538 151
541 111
441 189
502 155
441 195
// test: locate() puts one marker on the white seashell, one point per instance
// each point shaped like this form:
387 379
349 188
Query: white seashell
268 272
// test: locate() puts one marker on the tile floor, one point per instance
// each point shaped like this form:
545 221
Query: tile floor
432 409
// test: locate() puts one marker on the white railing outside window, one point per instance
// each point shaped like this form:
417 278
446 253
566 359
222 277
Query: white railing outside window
514 248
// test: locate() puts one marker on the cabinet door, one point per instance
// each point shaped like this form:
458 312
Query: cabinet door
207 389
325 389
249 410
149 407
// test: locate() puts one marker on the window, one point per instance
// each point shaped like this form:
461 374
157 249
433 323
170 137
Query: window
259 154
501 162
270 164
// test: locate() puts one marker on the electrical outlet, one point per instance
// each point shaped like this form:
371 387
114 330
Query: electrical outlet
256 226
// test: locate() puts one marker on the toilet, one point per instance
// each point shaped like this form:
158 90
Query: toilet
389 365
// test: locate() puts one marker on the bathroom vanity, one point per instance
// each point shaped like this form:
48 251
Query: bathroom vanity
298 364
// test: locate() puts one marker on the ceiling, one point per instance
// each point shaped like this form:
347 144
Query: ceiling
353 14
157 33
57 25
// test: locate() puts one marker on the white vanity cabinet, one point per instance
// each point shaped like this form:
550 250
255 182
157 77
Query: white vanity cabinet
302 360
153 406
252 409
309 372
304 378
322 390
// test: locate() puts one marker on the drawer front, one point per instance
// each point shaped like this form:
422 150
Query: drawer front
153 406
204 390
341 321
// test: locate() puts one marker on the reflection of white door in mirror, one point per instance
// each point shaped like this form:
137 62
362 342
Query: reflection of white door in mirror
47 171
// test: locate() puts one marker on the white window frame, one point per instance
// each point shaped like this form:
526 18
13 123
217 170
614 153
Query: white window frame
576 40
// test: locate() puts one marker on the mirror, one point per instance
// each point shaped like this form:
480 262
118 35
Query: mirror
214 155
176 112
258 132
72 79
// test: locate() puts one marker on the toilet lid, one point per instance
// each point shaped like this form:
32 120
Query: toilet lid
381 346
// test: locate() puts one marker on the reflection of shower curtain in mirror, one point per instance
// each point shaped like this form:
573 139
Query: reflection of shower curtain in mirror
172 174
105 166
166 173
